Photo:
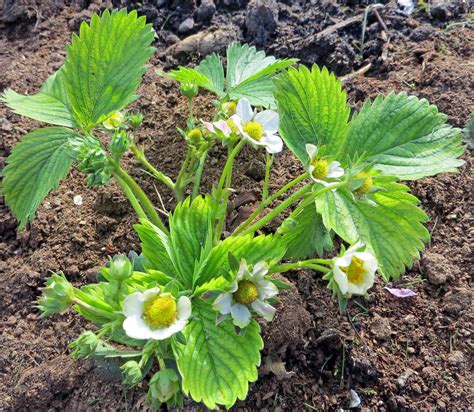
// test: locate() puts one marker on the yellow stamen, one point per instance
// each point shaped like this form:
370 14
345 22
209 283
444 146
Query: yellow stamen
230 108
254 130
195 135
160 311
355 271
321 168
246 293
366 185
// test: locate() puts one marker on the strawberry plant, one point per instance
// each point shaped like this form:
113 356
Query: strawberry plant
187 306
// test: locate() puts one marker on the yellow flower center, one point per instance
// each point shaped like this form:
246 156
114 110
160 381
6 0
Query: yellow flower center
230 108
355 271
246 293
195 135
160 311
366 185
232 126
321 168
254 130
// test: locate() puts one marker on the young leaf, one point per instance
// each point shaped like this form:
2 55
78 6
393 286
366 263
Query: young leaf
190 234
216 363
404 136
391 227
35 166
313 109
212 68
193 76
50 105
305 235
104 64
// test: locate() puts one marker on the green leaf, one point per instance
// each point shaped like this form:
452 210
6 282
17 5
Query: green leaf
313 109
216 363
391 227
186 75
253 249
35 166
191 235
305 235
155 247
50 105
212 68
404 137
105 63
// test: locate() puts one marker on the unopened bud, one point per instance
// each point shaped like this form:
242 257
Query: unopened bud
189 90
132 374
120 267
57 296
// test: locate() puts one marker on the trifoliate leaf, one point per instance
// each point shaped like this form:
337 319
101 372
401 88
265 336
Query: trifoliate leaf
305 235
404 136
388 222
313 109
104 64
35 166
212 68
50 105
216 364
185 75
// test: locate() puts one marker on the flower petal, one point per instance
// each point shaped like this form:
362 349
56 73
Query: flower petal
133 304
272 142
241 315
266 289
341 279
269 120
265 310
135 327
164 333
260 269
370 263
335 170
244 110
223 303
183 307
223 127
209 126
401 293
312 151
150 293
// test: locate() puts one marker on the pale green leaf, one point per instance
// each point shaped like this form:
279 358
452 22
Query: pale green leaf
49 105
313 109
35 166
216 364
212 68
391 228
305 235
105 63
404 136
186 75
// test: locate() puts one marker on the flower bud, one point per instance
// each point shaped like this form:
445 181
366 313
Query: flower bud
57 296
132 374
229 108
163 386
85 345
194 136
189 90
119 143
136 120
120 267
114 121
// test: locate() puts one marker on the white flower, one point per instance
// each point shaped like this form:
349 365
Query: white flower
354 272
219 127
113 121
248 291
321 170
260 129
154 315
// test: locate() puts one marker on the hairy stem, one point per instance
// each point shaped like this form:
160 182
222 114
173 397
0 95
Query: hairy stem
197 180
97 311
132 199
141 196
304 264
267 202
268 166
156 173
179 187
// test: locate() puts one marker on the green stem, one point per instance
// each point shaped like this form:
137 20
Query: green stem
156 173
226 180
197 180
132 199
268 166
305 264
141 196
267 202
97 311
179 189
279 209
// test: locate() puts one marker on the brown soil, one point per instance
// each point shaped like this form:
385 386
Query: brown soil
397 354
